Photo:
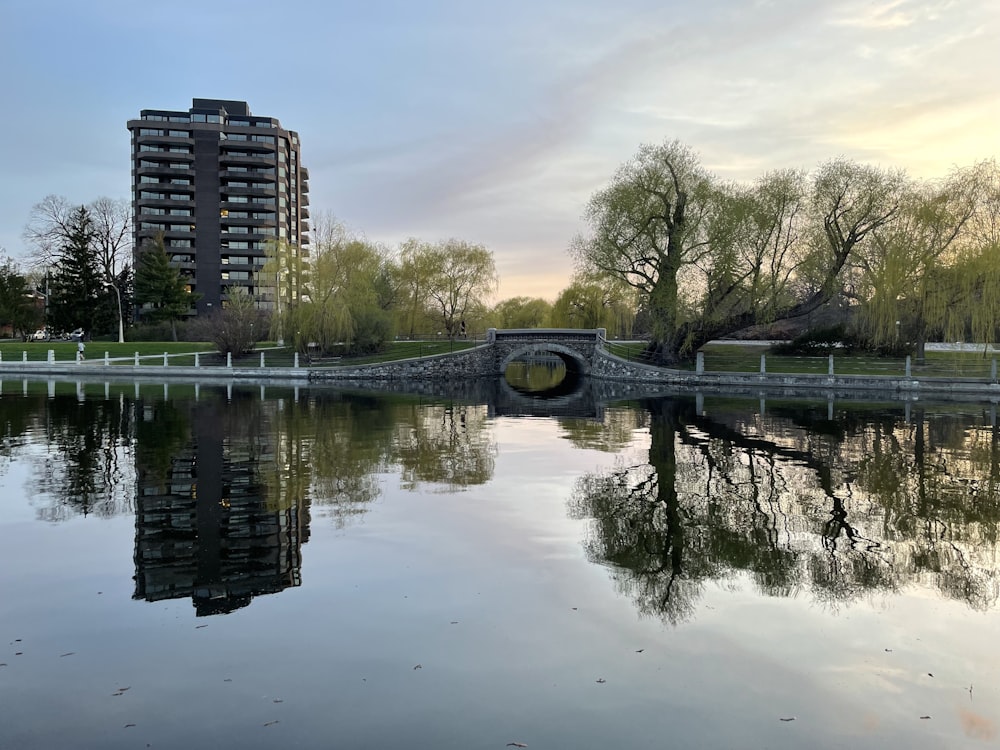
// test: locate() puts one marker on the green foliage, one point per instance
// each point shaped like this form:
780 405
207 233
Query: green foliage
373 330
18 306
817 342
161 289
75 288
521 312
340 303
710 258
80 256
449 280
595 303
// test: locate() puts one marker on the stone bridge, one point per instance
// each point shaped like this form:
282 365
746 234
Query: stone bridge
576 347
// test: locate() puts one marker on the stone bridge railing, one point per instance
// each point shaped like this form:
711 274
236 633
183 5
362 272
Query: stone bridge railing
575 347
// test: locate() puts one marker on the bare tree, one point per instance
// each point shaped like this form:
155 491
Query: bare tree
113 243
50 227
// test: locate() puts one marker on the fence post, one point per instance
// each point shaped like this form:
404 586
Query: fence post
831 366
107 359
51 357
262 366
296 365
164 359
24 356
137 359
763 364
909 371
993 370
197 359
700 363
229 359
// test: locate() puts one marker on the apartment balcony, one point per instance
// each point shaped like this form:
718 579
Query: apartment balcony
164 140
247 158
251 222
240 174
180 201
162 169
255 189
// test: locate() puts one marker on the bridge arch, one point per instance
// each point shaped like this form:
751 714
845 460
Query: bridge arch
576 363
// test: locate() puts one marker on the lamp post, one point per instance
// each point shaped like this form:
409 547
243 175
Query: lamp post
121 321
281 328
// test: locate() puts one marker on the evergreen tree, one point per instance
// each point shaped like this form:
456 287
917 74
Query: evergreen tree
161 291
17 305
76 289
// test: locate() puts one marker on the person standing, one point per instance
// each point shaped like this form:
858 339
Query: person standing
79 350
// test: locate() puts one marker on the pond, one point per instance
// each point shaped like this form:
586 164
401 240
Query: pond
255 567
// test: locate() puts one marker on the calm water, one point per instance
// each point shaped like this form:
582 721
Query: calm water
330 569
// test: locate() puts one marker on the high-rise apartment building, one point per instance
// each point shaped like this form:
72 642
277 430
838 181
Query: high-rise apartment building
221 185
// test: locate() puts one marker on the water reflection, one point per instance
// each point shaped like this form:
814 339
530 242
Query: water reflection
838 509
802 499
223 482
540 375
209 525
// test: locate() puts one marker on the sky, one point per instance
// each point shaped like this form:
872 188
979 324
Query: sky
494 123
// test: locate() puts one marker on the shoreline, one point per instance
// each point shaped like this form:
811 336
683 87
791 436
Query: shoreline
803 385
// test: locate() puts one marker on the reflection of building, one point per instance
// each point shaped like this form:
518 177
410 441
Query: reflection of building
219 184
207 531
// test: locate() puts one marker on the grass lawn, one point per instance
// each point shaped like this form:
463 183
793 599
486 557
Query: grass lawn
152 351
718 357
38 351
740 358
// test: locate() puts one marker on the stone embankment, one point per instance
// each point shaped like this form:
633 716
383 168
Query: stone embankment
608 367
613 376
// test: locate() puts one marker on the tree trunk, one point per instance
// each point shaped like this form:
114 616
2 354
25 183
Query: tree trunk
667 336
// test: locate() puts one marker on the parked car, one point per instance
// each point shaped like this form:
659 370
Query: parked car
40 335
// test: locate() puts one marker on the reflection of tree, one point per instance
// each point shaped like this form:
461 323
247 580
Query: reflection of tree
87 467
613 433
17 417
449 445
872 505
346 438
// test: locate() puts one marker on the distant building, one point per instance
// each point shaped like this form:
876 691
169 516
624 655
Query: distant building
220 184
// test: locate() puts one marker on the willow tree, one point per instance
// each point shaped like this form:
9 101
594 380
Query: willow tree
521 312
284 279
590 302
711 258
338 298
912 278
446 281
